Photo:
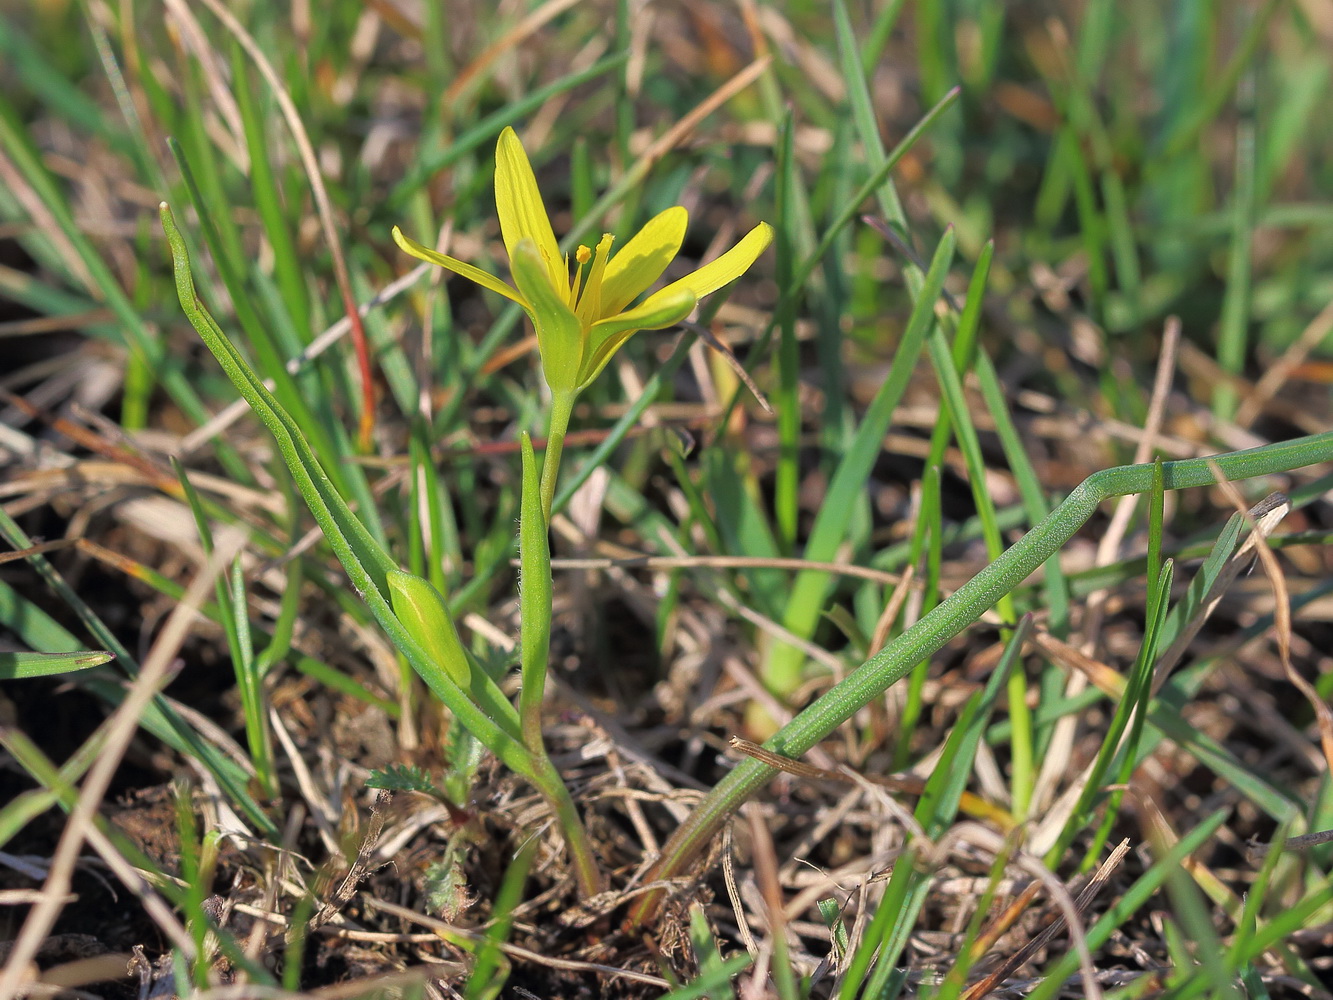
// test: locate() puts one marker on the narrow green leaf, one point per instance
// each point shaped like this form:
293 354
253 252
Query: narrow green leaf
787 476
494 722
20 665
534 601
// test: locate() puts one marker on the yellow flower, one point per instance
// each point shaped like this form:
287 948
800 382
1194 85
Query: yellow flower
582 319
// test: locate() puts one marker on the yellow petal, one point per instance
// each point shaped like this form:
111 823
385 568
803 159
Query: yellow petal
727 268
476 274
559 333
643 259
519 205
609 335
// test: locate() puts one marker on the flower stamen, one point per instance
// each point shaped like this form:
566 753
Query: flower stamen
589 305
582 255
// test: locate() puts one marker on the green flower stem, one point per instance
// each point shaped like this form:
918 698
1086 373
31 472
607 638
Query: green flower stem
967 604
535 640
547 780
562 407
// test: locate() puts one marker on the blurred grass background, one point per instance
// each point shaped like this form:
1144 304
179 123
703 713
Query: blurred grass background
1128 162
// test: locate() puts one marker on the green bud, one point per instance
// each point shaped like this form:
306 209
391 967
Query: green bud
425 615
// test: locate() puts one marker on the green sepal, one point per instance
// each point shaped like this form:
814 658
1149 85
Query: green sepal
559 333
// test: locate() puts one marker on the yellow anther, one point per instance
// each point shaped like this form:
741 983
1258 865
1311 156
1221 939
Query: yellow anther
582 255
590 302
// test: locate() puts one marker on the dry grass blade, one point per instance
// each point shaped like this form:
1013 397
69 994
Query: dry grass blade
362 865
734 893
120 730
449 932
906 784
39 549
55 324
1085 898
516 35
208 57
1003 921
1104 677
891 611
324 207
42 219
679 132
1274 509
68 976
156 475
1254 850
1277 374
775 629
733 362
766 875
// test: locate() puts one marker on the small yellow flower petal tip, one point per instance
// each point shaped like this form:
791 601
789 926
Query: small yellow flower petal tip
583 318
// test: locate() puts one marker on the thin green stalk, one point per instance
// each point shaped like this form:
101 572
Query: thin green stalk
928 546
548 781
1233 328
966 605
787 483
250 685
491 968
562 407
949 366
534 553
845 215
781 671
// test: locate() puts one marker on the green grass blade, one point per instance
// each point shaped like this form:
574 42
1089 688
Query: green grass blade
20 665
160 718
487 980
1233 328
965 605
490 127
786 400
810 589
